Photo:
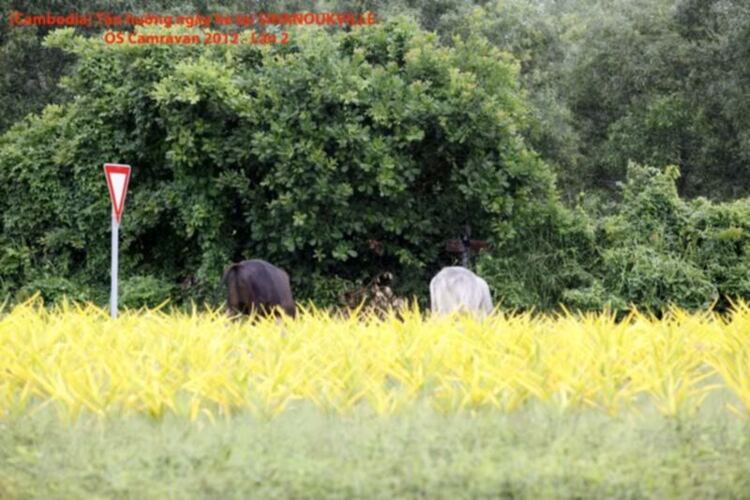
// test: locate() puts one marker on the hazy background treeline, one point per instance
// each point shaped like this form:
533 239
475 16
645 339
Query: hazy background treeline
549 126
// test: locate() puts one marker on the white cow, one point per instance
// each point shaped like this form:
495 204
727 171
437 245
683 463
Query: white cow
458 289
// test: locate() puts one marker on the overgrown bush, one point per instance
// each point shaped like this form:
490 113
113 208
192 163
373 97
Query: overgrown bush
717 238
643 276
659 248
654 250
543 252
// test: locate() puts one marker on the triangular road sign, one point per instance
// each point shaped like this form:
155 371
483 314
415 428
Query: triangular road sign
117 182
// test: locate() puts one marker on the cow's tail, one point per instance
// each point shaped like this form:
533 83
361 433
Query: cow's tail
231 292
230 269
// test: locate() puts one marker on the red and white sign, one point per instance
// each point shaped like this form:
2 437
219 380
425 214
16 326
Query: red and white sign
117 181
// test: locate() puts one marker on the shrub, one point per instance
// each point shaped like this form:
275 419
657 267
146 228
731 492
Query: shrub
547 252
144 291
53 289
654 249
643 276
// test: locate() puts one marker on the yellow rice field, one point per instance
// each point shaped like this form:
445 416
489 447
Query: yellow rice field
75 358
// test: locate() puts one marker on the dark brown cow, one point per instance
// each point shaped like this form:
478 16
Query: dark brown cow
257 286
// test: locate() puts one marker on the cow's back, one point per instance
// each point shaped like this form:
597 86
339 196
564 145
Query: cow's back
260 285
458 289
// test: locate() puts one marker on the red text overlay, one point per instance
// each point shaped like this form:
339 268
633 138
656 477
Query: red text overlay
109 20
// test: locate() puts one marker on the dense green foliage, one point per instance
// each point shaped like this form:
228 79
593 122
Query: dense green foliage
653 250
609 81
299 153
659 248
612 81
305 153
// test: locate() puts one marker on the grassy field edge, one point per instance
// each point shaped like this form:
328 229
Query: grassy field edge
532 453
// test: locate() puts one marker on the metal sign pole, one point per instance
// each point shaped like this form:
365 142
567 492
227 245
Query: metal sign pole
118 176
115 250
